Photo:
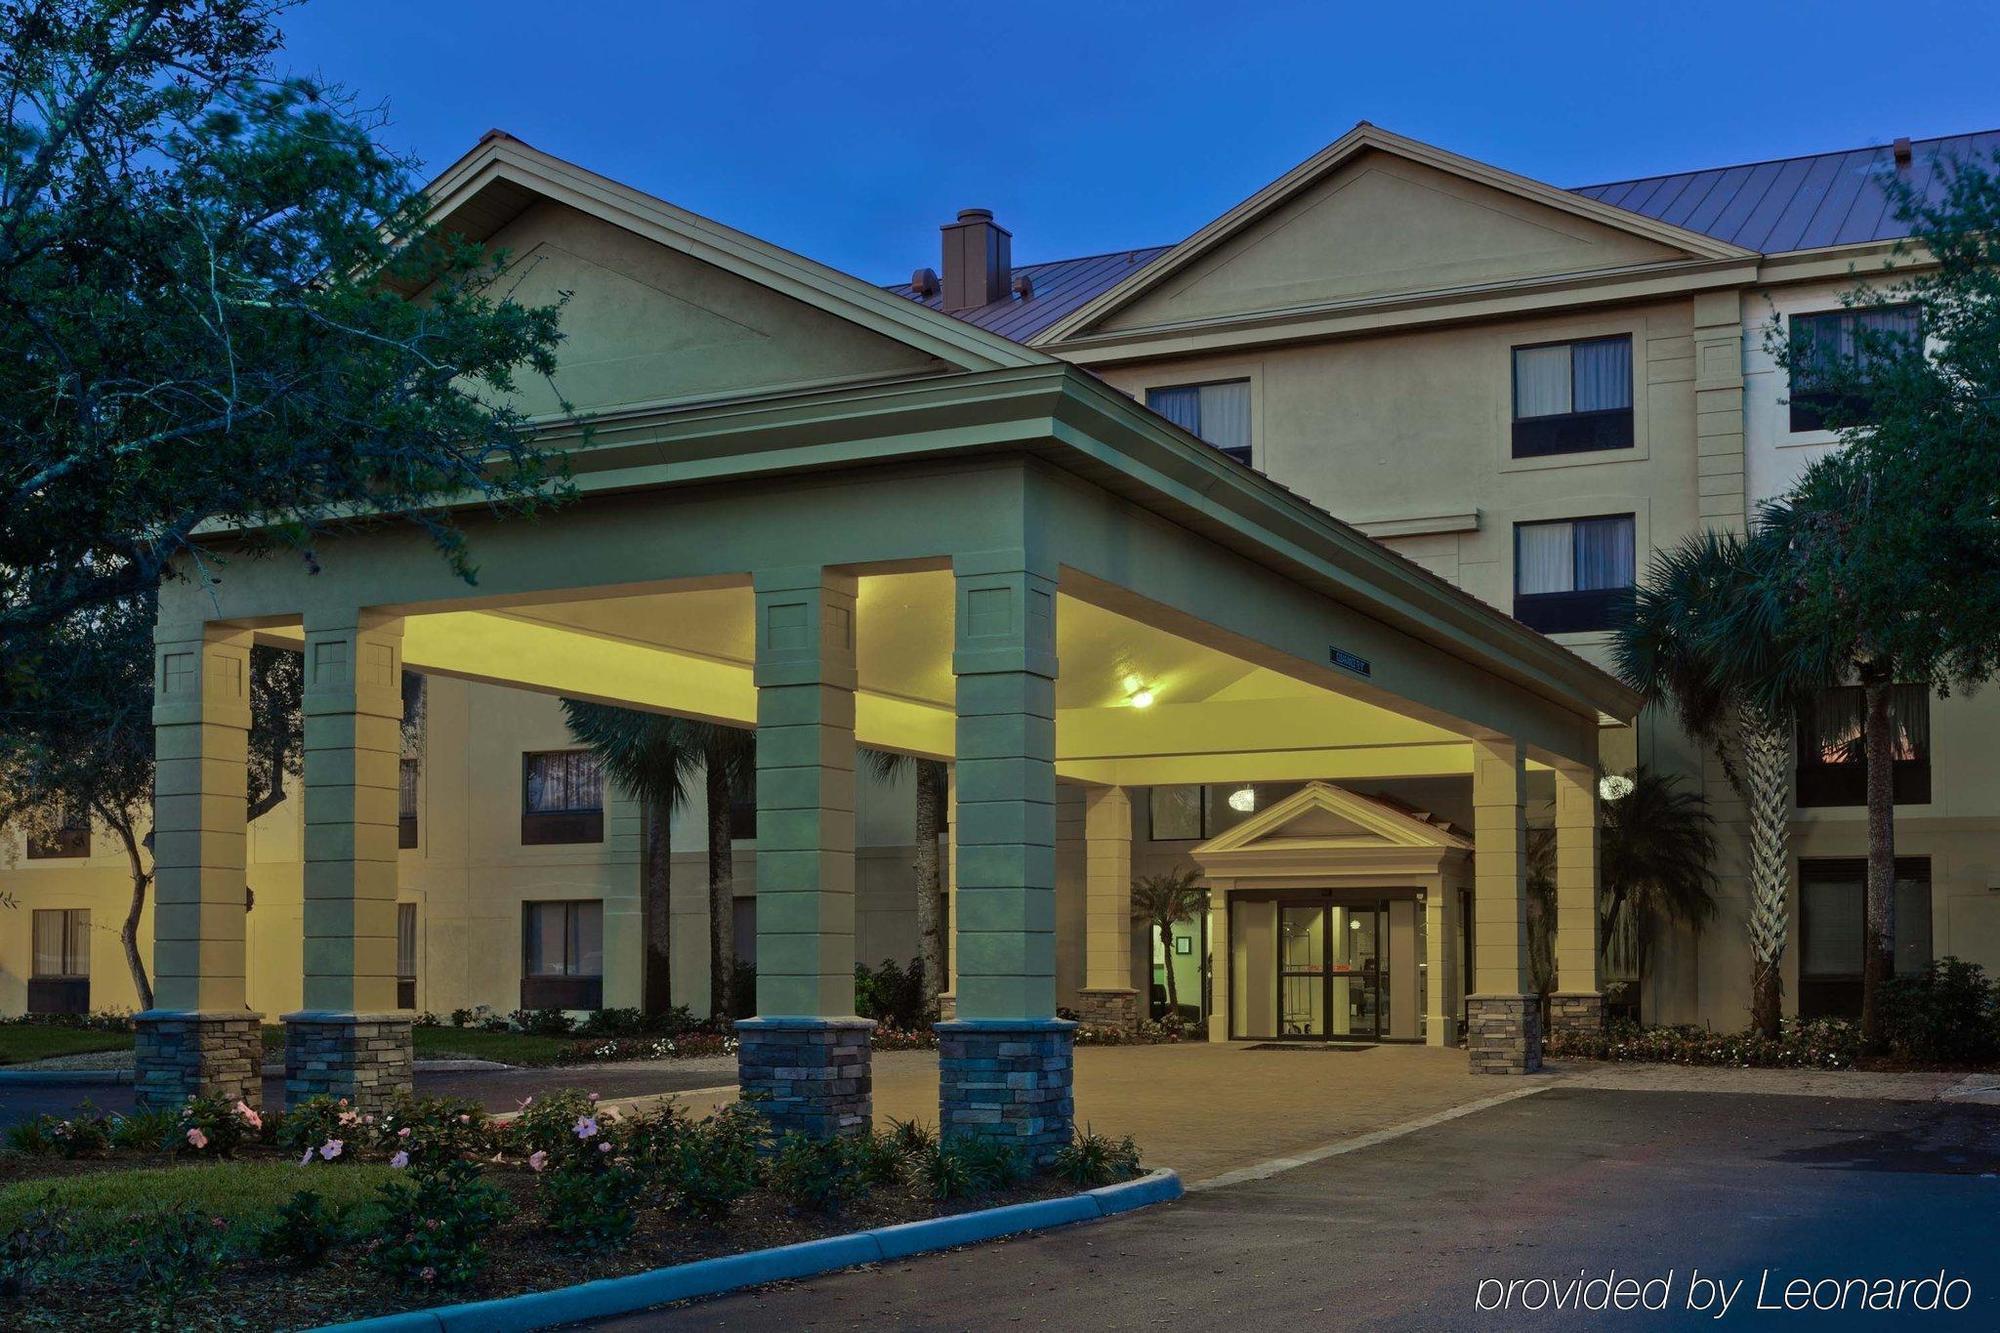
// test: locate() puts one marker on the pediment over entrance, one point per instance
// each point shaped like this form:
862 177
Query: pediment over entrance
1322 828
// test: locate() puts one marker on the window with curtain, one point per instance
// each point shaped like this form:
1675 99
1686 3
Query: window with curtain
1827 340
1570 576
1218 413
562 797
62 942
69 840
1573 397
406 955
562 961
1832 767
1833 898
406 804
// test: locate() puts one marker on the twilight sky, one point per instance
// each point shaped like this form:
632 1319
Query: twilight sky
849 131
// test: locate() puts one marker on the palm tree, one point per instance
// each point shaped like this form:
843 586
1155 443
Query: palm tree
1160 901
1706 638
729 773
931 778
652 757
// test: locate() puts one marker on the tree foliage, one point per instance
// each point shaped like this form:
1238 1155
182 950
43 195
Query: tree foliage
206 269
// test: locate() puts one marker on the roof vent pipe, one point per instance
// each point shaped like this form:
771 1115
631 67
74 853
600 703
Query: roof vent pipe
978 260
1903 153
924 282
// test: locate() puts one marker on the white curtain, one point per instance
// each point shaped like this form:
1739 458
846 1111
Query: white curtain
1182 406
1225 414
1604 553
1541 381
1603 374
49 944
1545 557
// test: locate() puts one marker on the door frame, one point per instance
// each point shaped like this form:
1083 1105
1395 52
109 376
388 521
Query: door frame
1351 898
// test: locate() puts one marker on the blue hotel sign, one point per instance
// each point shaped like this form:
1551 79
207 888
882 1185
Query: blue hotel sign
1347 661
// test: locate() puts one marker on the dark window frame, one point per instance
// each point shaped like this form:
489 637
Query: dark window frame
409 774
1572 432
1241 452
1838 994
406 979
1820 784
541 828
1585 611
70 842
1808 408
68 991
566 989
1201 812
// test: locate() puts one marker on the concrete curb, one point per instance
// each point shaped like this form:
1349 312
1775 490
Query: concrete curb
71 1078
712 1277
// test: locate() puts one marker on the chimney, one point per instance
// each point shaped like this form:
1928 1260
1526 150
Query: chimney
978 260
1903 154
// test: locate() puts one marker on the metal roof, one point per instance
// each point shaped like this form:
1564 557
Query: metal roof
1057 288
1791 203
1795 203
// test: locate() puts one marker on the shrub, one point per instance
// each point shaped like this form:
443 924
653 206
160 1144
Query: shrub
85 1132
637 1023
1090 1160
912 1138
103 1020
1820 1043
743 989
542 1022
819 1175
148 1130
891 995
1943 1015
423 1133
589 1205
965 1165
714 1163
36 1250
549 1124
215 1126
323 1130
434 1227
172 1254
681 1046
304 1232
27 1137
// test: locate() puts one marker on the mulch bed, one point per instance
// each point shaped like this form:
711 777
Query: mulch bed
255 1293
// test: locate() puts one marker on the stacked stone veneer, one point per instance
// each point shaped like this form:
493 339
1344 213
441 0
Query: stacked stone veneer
1109 1009
1576 1011
808 1075
362 1057
1008 1080
1503 1033
182 1053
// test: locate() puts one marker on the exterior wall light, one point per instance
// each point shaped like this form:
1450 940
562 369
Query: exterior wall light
1142 698
1243 799
1614 786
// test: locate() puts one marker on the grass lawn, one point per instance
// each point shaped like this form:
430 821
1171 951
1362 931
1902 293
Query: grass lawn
246 1193
512 1048
21 1042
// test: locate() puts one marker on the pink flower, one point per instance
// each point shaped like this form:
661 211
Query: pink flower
249 1116
403 1133
348 1117
429 1274
197 1140
400 1160
604 1147
524 1103
593 1096
586 1126
465 1120
331 1149
343 1101
537 1160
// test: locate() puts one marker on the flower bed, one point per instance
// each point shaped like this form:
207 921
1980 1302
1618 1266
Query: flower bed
708 1042
1822 1043
190 1219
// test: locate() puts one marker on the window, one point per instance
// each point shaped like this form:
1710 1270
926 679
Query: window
1176 814
1828 339
1180 814
1218 413
406 955
406 807
1572 576
562 798
60 980
1832 912
562 955
1832 767
70 840
1573 397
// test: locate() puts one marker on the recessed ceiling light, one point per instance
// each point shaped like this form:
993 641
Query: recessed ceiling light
1142 698
1244 799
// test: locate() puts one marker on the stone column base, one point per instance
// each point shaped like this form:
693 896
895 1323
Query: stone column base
1111 1007
809 1076
947 1006
183 1053
1008 1079
1580 1012
362 1057
1503 1033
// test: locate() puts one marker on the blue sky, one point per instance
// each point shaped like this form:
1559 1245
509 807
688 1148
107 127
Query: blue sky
849 131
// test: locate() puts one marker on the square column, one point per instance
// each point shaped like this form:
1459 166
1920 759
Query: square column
1578 1002
806 1054
200 1036
948 997
1220 982
350 1040
1107 998
1441 992
1004 1063
1504 1034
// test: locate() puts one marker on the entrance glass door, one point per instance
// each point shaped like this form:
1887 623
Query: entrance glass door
1357 975
1302 970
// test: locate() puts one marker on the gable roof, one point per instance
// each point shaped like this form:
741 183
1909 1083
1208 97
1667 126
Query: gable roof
502 176
1321 817
1055 289
1365 137
1796 203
